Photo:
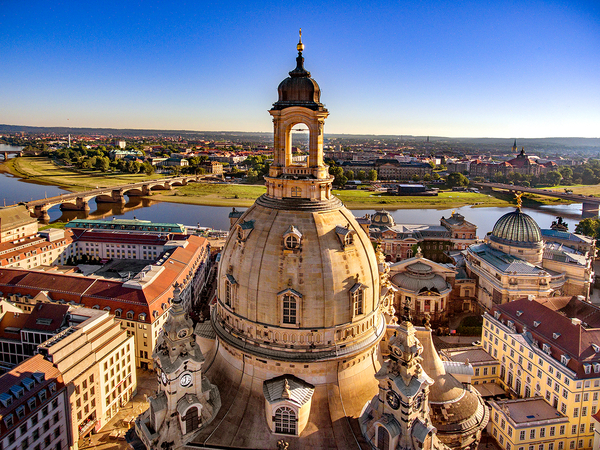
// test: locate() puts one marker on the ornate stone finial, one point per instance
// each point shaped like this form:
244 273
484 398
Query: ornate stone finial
300 45
286 390
419 252
177 293
282 445
427 321
453 212
518 196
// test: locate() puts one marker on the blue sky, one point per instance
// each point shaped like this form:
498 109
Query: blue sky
445 68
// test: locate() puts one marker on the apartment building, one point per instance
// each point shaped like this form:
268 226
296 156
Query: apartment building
550 347
34 407
529 424
96 358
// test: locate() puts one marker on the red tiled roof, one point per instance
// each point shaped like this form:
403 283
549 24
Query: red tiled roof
26 369
94 291
553 318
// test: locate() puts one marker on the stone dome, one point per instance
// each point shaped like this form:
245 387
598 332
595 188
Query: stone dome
517 229
420 277
382 218
330 259
299 89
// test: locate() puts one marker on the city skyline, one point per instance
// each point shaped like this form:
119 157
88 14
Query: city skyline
512 69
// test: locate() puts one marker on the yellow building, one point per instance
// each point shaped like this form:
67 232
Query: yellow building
550 348
528 424
485 367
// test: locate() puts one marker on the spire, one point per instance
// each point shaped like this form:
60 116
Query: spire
300 71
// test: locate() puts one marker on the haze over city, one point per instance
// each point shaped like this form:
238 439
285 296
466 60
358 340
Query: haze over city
469 69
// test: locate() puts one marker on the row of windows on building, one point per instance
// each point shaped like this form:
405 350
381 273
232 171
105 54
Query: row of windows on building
290 301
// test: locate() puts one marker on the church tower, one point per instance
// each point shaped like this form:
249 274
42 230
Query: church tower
299 310
186 401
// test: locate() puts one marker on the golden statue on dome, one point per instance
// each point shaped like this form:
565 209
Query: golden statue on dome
518 196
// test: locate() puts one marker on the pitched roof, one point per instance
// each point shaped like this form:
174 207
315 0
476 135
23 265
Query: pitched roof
568 325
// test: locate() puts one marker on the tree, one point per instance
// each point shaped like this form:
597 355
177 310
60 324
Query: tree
372 175
361 175
588 176
416 178
252 176
589 227
457 179
349 174
553 178
341 181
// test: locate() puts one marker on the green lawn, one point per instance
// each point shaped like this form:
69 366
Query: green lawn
45 171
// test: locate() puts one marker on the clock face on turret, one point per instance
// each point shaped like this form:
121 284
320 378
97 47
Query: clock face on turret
392 399
182 333
186 379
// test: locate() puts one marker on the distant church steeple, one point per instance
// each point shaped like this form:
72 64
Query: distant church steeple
514 147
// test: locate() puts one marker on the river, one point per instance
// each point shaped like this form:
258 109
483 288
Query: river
14 189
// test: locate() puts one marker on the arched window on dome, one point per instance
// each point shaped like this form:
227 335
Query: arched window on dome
292 239
290 307
357 299
285 420
230 284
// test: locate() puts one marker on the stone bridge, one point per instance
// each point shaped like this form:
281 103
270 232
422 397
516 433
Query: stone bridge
79 201
590 205
15 152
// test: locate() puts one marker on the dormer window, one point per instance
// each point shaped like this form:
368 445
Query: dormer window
292 238
546 348
555 335
536 323
130 314
496 315
6 399
244 229
118 312
596 367
345 235
357 297
142 317
20 412
519 313
596 348
290 301
587 368
564 359
9 420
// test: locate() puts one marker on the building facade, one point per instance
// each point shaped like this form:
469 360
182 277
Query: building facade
550 348
34 407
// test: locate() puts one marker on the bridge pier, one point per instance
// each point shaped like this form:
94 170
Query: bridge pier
589 210
81 204
41 213
118 197
146 190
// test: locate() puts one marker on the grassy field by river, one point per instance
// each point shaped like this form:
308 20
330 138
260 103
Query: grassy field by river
45 171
